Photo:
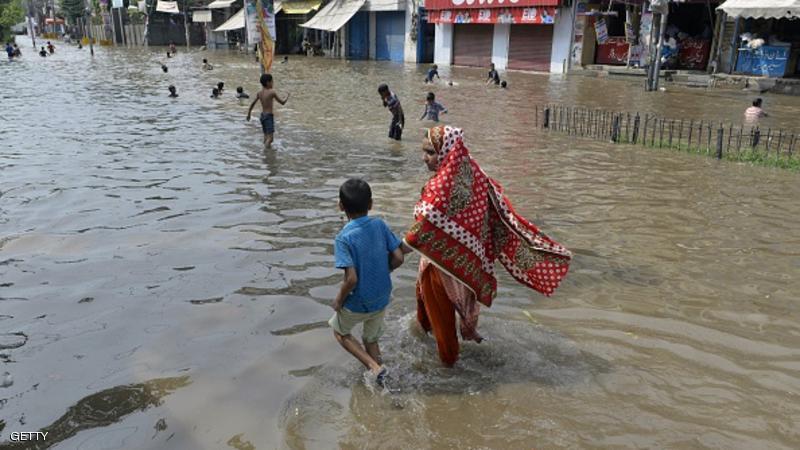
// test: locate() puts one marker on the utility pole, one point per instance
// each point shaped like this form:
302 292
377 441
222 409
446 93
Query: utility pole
663 32
186 20
88 16
31 30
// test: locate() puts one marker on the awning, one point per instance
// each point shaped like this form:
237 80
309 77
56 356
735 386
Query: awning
277 6
56 21
298 6
762 9
202 16
433 5
236 22
167 7
220 4
334 15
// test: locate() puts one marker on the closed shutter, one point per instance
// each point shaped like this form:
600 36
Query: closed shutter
472 45
529 47
390 31
358 36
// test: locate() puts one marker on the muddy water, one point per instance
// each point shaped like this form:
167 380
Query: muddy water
165 282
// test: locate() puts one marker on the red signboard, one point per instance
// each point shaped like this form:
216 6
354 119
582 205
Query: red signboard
614 51
693 54
433 5
533 15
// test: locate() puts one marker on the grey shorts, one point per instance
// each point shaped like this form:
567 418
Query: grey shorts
267 123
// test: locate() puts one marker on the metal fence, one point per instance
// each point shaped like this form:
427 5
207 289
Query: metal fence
776 147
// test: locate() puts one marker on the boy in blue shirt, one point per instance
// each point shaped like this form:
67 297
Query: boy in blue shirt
432 108
367 250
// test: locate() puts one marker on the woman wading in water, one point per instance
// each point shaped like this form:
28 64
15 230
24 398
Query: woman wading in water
463 224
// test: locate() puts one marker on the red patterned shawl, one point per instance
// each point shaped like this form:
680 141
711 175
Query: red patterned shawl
464 222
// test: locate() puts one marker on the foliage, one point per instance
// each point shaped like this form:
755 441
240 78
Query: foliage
11 13
72 9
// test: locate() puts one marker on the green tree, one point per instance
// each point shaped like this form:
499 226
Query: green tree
11 13
72 9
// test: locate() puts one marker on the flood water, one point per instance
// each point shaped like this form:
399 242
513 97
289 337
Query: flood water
164 282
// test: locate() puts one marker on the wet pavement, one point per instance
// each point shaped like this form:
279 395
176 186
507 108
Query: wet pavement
164 282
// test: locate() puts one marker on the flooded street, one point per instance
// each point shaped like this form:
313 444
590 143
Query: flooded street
165 283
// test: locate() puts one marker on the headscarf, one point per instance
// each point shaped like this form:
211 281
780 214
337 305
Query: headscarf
464 223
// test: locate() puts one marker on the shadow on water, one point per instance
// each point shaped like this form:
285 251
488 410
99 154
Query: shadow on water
102 409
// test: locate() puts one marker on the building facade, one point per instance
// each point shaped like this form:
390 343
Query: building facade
367 29
531 35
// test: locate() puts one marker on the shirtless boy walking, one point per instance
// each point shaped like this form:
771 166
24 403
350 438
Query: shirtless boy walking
266 95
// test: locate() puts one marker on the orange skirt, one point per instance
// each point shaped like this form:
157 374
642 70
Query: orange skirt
436 313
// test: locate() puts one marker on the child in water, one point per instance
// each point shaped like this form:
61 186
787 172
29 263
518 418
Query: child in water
391 101
266 96
164 68
367 251
432 108
220 87
215 93
206 65
240 93
173 93
51 48
432 72
43 52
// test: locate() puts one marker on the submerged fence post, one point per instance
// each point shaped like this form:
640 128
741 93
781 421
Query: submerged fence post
615 129
680 134
635 136
720 136
546 123
700 137
756 137
691 128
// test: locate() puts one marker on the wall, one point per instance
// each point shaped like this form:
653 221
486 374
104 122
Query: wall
443 44
410 51
502 36
562 37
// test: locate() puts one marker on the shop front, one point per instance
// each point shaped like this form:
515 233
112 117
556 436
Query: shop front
289 14
766 42
618 33
521 37
372 29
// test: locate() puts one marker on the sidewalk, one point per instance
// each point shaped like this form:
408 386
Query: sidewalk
698 79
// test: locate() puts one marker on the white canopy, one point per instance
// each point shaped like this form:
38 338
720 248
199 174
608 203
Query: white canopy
277 6
236 22
167 7
762 9
334 15
220 4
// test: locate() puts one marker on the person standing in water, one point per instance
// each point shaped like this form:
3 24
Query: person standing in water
432 108
266 96
391 101
493 77
173 93
753 113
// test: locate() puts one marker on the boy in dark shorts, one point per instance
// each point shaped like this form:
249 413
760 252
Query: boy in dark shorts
391 101
266 95
367 250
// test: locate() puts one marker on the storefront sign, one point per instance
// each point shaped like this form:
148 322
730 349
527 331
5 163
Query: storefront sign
614 51
601 30
432 5
693 54
533 16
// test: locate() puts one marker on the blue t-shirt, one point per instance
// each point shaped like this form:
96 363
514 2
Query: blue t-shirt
365 244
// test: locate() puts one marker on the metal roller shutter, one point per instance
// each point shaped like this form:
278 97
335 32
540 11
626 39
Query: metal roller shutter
472 45
529 47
